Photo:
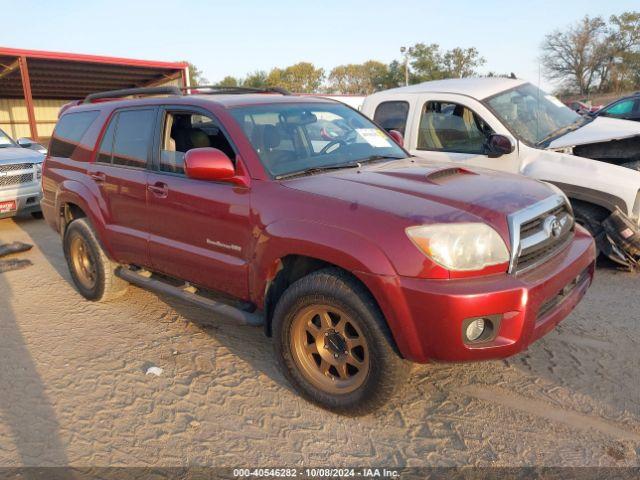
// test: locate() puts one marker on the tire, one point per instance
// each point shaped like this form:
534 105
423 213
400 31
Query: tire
93 273
365 376
591 216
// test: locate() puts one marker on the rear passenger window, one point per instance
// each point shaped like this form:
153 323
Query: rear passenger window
69 131
128 138
392 116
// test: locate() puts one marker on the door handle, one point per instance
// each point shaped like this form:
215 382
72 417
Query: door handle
98 177
160 190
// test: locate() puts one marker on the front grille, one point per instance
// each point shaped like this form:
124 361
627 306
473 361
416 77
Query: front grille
560 297
14 167
540 232
16 179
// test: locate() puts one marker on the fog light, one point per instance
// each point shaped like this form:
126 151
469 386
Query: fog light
475 329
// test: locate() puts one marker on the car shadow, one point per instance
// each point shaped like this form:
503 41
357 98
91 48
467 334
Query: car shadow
25 407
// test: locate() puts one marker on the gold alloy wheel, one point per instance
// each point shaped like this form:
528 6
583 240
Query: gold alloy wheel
82 262
329 348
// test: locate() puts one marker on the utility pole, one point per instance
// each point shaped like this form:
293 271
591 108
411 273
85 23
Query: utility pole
403 50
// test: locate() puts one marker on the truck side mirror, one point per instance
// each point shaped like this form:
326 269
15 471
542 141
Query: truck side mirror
397 137
208 164
498 145
25 142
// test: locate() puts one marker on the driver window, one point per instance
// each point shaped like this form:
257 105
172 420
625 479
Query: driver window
451 127
183 131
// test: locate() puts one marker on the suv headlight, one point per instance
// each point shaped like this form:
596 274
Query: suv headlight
460 246
38 171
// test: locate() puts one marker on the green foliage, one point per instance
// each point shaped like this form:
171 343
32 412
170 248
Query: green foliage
230 81
195 75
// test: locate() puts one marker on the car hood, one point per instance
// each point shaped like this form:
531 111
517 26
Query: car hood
429 192
19 155
601 129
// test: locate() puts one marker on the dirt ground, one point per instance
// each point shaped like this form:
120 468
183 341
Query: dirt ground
73 389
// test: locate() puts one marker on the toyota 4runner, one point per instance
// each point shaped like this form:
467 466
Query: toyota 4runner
299 214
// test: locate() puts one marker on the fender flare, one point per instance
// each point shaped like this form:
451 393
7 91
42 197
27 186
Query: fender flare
337 246
72 191
602 199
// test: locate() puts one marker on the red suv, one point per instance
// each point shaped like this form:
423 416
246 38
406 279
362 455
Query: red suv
300 214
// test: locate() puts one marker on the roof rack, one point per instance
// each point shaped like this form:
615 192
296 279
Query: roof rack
221 90
133 91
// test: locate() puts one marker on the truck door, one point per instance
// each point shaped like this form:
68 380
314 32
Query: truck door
450 130
199 231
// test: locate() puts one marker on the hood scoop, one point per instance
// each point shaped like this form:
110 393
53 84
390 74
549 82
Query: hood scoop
439 176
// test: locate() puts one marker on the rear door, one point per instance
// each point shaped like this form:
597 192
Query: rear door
120 172
199 230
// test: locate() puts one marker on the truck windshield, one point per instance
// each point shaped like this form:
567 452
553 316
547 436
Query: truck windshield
299 137
533 115
5 140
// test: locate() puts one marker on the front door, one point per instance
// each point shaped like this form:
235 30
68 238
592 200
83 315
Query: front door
453 132
120 173
199 230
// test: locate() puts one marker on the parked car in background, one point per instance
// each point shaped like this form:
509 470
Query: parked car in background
625 108
356 257
583 108
511 125
20 174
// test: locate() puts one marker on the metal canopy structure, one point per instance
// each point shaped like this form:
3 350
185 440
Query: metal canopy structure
33 74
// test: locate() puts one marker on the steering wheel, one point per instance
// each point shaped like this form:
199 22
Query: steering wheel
328 146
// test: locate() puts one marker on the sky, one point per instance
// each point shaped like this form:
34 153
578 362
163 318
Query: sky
238 37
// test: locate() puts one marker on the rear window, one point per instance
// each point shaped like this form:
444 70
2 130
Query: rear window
392 115
69 131
128 138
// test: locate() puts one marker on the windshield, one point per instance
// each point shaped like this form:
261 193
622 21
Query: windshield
5 140
297 137
533 115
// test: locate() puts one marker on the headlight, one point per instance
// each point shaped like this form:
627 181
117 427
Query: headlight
460 246
38 171
636 207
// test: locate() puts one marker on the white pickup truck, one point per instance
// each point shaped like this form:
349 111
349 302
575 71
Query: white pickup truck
511 125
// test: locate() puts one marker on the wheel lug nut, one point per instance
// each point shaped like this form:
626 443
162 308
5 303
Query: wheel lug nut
335 355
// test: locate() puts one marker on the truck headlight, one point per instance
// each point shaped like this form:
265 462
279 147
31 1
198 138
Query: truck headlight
636 207
460 246
38 171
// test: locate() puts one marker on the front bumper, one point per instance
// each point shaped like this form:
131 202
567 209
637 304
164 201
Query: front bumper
27 198
427 317
621 240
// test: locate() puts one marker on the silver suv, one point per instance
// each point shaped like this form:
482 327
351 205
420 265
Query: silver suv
20 174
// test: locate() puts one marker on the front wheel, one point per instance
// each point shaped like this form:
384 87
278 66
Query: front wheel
334 346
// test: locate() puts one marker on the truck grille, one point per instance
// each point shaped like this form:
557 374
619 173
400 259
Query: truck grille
7 181
14 167
539 232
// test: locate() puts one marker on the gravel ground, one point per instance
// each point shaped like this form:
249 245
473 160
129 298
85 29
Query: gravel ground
73 389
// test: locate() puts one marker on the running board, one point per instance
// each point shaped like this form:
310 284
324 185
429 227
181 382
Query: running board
189 294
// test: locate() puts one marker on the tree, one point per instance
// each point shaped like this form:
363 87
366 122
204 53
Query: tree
579 55
624 65
196 76
230 81
303 77
257 79
358 79
426 62
462 62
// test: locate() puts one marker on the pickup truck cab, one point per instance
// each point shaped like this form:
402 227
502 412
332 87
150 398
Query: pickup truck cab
512 126
299 214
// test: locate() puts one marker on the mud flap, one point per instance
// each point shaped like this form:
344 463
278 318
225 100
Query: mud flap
622 243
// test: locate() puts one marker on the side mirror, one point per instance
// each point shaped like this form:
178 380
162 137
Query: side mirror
208 164
498 145
25 142
397 137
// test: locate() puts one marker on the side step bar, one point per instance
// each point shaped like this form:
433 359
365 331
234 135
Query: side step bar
189 294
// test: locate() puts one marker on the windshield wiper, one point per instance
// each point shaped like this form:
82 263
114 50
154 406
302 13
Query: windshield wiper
322 168
564 130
